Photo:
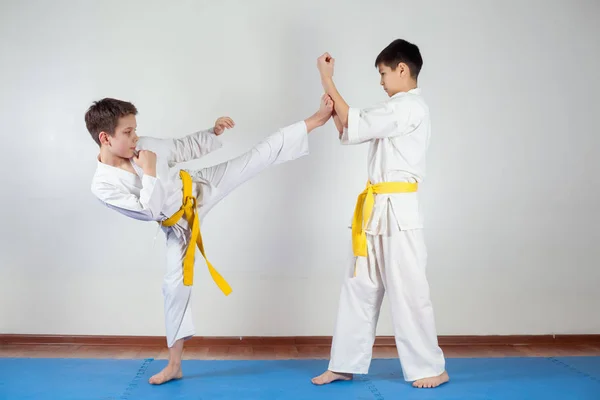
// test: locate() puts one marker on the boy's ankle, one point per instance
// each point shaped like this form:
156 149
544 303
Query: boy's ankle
311 123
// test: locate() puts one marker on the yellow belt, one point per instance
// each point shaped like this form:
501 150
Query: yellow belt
188 209
364 208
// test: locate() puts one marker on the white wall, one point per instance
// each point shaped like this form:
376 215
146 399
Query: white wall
510 199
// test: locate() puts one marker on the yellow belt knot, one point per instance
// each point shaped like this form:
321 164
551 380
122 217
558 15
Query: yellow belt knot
364 209
188 210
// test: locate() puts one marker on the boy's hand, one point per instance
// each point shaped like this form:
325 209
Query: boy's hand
223 123
325 65
327 104
147 162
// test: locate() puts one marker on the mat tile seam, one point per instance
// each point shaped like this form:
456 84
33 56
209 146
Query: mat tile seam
134 382
576 370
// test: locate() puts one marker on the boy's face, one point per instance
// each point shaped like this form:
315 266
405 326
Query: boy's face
392 80
123 142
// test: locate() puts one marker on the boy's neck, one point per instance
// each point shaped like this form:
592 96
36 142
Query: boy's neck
106 157
405 88
409 86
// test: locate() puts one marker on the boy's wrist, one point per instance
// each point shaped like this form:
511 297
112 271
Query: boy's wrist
151 171
326 81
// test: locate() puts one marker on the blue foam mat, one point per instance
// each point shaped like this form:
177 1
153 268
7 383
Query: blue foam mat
471 378
66 379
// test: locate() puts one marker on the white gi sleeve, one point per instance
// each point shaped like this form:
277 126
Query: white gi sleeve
146 207
182 149
389 119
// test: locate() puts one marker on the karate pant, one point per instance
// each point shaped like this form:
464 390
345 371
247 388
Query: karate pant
396 265
212 184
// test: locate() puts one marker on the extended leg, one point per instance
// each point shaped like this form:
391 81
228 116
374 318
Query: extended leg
218 181
288 144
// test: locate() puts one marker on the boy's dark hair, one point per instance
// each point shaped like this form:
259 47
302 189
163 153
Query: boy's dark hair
401 51
103 116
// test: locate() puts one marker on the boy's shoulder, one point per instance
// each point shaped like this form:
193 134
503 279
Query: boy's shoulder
413 95
412 99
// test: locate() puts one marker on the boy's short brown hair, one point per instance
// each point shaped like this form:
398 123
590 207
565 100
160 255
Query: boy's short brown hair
103 116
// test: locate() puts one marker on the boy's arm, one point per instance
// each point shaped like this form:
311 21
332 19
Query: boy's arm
146 207
340 108
393 118
192 146
338 123
325 65
385 120
339 104
182 149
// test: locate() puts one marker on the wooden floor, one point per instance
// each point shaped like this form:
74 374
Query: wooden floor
283 352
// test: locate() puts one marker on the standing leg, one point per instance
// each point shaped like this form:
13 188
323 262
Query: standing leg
177 307
402 258
173 368
356 322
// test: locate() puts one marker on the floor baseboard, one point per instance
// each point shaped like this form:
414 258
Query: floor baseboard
460 340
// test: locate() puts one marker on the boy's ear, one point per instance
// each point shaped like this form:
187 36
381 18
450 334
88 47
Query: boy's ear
103 136
404 69
400 69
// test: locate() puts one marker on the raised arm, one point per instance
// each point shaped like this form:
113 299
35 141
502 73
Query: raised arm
325 64
189 147
393 118
193 146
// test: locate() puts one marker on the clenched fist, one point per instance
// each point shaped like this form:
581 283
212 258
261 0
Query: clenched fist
325 65
147 161
223 123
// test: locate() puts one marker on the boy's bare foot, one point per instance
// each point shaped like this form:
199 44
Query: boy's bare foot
330 376
322 115
170 372
432 382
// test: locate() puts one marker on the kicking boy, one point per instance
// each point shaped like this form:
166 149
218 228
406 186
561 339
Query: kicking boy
389 253
134 176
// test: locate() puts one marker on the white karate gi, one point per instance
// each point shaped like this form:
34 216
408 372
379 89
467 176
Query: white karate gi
398 131
149 198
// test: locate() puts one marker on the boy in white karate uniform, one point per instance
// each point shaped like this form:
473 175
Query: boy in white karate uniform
389 253
134 176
